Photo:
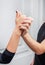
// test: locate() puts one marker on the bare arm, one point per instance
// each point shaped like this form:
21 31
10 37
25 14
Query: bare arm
34 45
10 50
14 40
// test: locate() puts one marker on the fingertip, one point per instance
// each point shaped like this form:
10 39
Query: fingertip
29 18
18 13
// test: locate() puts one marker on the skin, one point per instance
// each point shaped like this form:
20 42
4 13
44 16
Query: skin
34 45
15 37
21 29
14 40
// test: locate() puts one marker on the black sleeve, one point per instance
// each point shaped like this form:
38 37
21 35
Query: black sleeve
41 33
6 57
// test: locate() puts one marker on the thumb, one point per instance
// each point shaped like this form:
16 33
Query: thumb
18 14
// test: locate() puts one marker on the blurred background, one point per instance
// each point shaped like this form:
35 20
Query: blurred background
32 8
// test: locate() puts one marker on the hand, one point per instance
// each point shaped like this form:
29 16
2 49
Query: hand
19 20
22 21
26 25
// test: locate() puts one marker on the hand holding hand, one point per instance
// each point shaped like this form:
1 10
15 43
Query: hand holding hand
26 25
23 22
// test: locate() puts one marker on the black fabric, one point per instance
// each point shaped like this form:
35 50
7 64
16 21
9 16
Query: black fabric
40 59
6 57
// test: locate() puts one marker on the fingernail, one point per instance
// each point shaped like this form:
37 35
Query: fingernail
16 11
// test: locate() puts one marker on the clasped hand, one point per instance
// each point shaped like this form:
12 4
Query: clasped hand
23 22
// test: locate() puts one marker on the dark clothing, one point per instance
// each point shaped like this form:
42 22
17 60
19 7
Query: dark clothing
6 57
40 59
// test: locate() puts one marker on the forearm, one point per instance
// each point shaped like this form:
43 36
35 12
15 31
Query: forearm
14 41
10 50
34 45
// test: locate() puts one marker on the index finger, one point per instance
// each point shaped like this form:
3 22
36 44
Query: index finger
29 18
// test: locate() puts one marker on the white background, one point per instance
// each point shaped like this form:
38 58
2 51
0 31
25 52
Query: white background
33 8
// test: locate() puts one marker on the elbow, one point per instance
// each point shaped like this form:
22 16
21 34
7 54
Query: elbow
39 52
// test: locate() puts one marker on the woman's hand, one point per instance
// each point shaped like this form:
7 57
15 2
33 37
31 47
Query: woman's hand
22 22
26 25
19 20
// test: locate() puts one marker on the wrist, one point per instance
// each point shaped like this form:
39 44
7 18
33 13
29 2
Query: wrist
24 34
18 31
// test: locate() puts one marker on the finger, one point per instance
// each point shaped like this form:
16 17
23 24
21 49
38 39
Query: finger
23 28
29 18
26 25
18 14
26 21
23 16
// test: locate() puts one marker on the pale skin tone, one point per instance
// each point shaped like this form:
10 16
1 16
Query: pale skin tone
22 26
34 45
14 40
